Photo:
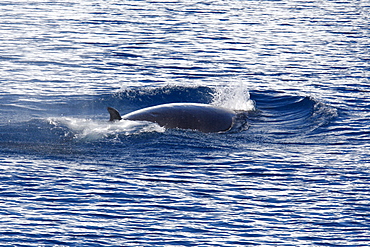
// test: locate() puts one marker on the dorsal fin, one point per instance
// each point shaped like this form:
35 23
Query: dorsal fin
114 114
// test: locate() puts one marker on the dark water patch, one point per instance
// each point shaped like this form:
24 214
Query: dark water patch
142 97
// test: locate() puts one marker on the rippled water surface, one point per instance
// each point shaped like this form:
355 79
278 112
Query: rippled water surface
294 171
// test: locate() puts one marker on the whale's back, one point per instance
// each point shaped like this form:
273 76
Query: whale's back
202 117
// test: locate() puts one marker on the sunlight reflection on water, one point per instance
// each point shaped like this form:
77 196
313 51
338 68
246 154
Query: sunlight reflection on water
298 176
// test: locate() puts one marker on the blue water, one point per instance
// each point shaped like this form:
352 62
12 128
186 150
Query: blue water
294 172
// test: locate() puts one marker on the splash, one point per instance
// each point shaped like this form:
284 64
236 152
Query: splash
235 97
91 130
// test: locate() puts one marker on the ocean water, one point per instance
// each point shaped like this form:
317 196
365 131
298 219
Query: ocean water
295 171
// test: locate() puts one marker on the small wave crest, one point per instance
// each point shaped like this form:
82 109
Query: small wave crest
91 130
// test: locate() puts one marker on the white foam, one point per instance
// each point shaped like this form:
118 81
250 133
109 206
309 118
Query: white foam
235 97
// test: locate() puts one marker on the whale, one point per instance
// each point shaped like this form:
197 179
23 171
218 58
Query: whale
193 116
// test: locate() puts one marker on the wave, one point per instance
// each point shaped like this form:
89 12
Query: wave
264 116
281 116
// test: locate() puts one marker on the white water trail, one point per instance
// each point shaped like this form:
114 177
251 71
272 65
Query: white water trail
91 130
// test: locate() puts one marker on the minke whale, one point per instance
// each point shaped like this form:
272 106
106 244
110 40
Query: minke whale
202 117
